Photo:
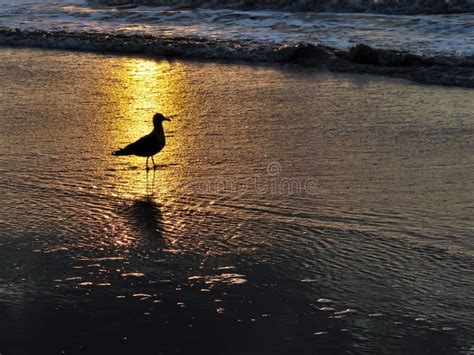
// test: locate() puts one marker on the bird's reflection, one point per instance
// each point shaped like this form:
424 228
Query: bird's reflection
146 218
150 186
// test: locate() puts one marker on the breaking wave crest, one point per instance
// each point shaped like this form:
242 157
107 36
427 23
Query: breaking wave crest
446 70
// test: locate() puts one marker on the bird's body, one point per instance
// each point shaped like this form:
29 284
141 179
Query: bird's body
146 146
149 145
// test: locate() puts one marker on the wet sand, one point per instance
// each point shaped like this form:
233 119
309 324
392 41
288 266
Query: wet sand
293 211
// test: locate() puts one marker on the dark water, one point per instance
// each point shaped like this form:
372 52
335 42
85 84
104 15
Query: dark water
410 7
293 212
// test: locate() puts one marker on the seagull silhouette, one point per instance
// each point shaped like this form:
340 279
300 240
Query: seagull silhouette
148 145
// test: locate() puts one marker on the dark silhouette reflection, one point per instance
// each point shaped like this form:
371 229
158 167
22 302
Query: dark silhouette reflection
150 186
146 218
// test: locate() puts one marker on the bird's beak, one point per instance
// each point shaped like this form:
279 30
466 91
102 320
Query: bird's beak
166 119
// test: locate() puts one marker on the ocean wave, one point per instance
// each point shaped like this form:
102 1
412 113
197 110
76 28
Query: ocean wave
422 34
446 70
380 6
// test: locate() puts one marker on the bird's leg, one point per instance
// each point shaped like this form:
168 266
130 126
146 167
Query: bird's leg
147 163
154 166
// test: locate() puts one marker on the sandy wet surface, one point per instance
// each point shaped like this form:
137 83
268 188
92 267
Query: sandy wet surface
292 211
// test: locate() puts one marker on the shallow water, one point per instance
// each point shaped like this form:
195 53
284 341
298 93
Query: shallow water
293 211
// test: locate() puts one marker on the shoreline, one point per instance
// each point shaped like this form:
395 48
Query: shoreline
360 58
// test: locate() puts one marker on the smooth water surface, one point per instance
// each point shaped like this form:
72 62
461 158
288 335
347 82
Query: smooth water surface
292 212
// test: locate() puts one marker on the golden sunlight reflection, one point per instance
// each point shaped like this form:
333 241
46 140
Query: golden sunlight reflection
145 87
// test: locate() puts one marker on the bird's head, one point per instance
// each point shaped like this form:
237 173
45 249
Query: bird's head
158 118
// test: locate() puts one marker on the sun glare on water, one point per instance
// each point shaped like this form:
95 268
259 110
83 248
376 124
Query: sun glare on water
143 88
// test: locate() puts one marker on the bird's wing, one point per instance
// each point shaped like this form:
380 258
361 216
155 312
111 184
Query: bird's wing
139 147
